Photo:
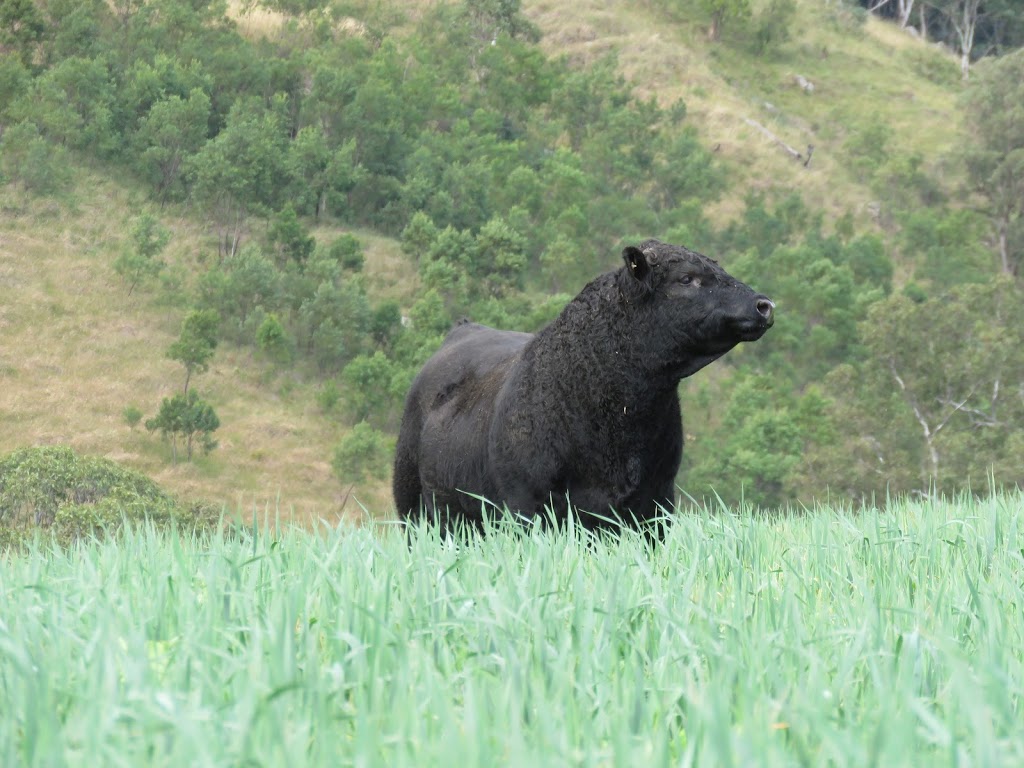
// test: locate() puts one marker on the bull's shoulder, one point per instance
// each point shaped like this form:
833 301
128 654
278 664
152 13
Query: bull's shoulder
467 330
470 342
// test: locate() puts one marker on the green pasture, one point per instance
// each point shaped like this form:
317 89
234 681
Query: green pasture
877 636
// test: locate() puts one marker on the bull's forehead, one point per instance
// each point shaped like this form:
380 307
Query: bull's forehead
665 254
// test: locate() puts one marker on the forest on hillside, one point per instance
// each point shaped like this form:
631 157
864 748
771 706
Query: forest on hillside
510 178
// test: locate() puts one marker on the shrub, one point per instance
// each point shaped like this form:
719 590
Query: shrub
54 488
347 251
328 396
132 416
363 452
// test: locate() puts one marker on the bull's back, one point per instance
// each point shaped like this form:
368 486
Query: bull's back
443 438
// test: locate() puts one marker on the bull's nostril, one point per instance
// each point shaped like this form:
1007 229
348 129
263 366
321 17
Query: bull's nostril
765 308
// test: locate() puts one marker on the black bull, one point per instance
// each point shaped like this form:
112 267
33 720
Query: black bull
586 411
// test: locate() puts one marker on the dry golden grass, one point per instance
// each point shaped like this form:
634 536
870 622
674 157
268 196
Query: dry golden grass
256 22
76 350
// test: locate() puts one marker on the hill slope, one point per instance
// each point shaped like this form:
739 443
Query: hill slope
865 74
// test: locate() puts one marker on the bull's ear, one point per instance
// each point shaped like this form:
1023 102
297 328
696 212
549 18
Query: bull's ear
637 264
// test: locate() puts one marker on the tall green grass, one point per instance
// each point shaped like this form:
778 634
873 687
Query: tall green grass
832 637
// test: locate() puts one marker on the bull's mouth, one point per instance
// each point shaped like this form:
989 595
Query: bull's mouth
753 331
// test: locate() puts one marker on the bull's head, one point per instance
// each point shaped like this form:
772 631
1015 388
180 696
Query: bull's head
694 310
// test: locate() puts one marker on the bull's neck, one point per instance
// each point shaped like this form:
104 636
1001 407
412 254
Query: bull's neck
592 355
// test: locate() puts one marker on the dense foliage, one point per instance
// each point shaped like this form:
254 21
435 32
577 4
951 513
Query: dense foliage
510 178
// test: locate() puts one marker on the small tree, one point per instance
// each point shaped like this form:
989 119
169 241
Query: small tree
188 417
367 381
347 251
723 10
273 339
168 421
132 416
198 340
363 452
27 157
289 237
141 258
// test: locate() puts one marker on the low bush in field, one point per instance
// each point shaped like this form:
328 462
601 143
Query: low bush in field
52 487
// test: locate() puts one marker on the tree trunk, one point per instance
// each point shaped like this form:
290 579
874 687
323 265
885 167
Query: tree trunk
906 7
965 22
1004 256
927 431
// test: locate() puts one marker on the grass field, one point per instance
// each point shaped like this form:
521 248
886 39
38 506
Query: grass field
832 637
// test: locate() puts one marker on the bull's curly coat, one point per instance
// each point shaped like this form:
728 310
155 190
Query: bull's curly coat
586 411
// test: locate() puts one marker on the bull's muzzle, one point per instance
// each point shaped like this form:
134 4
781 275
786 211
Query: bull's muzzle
766 309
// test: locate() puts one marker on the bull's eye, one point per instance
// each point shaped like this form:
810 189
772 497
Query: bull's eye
686 279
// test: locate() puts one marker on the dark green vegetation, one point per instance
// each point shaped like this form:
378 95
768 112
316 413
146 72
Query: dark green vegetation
832 638
509 178
73 496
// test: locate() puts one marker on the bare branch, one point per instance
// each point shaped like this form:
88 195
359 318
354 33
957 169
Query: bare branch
979 418
928 434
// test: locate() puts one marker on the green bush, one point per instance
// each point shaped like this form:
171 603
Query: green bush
347 251
363 452
132 416
54 488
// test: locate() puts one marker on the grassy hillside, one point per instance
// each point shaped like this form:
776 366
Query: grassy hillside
838 637
76 349
865 74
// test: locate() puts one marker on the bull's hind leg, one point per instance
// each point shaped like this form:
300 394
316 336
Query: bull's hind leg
405 483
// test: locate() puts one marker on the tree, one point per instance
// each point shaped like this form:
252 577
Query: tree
72 104
903 10
419 236
319 173
499 258
995 156
273 339
334 321
238 172
956 361
173 130
132 416
186 416
197 342
722 11
27 157
21 28
368 389
962 16
363 452
289 237
347 252
759 443
140 259
241 285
